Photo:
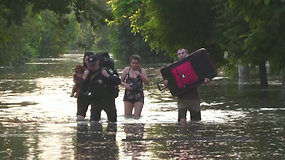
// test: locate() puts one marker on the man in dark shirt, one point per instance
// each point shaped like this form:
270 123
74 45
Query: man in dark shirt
189 100
101 83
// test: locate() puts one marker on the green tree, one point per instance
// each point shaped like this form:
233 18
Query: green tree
124 44
264 38
102 39
169 25
85 38
53 31
55 40
230 30
15 11
19 44
38 36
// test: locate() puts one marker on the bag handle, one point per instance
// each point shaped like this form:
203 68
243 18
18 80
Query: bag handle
158 85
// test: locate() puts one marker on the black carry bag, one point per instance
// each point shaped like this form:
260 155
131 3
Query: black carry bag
189 72
107 62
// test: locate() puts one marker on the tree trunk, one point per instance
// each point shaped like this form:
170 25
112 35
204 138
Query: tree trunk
283 85
283 77
263 74
243 76
243 71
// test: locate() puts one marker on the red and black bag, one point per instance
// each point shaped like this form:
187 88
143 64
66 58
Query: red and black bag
189 72
184 74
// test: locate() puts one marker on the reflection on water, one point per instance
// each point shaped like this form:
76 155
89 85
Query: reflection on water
96 142
37 120
132 144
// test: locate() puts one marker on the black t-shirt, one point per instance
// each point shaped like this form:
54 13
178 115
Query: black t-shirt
101 87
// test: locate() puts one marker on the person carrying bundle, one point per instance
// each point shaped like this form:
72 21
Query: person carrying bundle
101 84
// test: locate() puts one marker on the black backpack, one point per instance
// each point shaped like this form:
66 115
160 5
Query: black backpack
105 61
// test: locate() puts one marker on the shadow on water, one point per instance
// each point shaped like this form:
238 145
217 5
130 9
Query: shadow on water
37 119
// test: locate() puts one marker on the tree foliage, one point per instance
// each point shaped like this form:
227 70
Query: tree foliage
86 37
55 40
124 44
264 39
170 25
38 36
253 33
95 11
18 43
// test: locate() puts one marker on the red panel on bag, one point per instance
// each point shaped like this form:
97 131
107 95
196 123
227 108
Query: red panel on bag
184 74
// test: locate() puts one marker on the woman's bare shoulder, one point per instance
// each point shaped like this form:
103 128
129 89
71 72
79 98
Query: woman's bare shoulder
142 69
126 69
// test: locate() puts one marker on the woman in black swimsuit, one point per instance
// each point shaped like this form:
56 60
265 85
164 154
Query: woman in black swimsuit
133 78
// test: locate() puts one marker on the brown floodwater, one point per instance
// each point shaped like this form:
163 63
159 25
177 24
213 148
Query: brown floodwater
240 120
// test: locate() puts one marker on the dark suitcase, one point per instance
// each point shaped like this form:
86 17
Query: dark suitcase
189 72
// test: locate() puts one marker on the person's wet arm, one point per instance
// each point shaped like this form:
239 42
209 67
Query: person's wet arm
123 78
144 77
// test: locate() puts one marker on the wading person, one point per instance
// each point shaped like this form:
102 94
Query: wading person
189 100
133 78
83 99
101 83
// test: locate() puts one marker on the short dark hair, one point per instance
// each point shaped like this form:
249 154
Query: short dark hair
136 57
182 50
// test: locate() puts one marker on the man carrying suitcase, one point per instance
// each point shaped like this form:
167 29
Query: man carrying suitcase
190 100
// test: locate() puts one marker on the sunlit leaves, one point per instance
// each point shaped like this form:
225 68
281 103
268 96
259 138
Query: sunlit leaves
124 8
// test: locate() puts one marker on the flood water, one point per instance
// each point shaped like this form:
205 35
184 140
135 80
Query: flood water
37 119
